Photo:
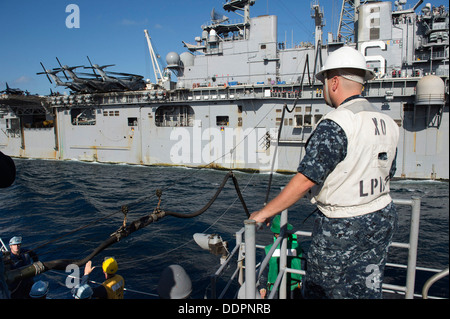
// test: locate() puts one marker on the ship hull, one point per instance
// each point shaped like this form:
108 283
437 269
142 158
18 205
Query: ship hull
229 128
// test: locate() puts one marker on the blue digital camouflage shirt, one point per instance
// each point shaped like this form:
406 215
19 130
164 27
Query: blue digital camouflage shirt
326 147
347 256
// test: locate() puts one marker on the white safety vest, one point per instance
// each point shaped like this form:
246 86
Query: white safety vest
360 183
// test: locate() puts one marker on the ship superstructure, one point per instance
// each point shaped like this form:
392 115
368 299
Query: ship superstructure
226 107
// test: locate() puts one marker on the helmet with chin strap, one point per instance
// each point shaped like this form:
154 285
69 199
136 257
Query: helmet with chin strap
346 58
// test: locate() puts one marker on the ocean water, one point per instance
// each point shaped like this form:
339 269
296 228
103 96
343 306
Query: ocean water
51 199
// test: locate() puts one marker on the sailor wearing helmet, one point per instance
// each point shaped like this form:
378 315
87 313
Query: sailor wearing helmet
112 288
18 258
39 290
349 161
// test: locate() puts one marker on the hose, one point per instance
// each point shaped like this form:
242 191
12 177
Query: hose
285 108
211 201
124 231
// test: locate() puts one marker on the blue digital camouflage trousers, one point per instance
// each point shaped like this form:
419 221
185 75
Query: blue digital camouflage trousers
347 256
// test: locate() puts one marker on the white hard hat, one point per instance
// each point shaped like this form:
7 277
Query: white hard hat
16 240
345 58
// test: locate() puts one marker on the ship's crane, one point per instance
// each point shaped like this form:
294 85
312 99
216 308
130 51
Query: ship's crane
157 69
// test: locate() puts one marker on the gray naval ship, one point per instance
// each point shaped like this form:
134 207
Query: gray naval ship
242 98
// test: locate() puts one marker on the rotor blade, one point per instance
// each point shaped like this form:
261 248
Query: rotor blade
126 74
119 73
90 74
59 62
106 66
99 67
93 69
45 71
62 69
75 67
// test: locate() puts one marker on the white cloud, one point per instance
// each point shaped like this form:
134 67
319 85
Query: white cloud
23 80
133 22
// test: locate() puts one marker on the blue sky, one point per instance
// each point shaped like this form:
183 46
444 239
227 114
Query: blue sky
111 32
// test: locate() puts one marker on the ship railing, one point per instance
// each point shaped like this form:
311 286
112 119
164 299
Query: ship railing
3 247
435 55
249 272
432 281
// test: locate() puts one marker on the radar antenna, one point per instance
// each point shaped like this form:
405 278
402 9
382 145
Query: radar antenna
317 15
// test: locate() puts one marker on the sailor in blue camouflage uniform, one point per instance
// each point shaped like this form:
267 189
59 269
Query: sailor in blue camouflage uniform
349 161
353 250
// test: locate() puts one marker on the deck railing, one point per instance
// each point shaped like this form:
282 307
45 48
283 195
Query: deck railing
246 250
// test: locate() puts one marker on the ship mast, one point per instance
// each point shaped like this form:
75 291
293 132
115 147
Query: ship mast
317 15
347 20
244 5
241 5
